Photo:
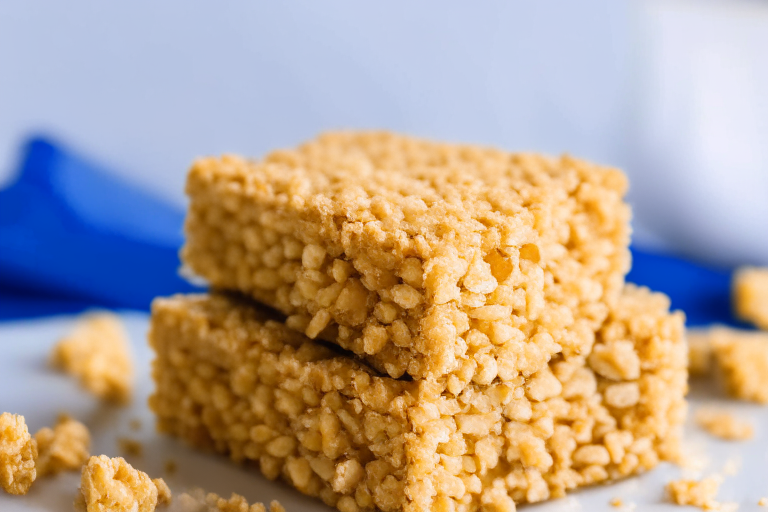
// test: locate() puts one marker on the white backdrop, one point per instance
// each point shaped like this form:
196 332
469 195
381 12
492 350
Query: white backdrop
147 86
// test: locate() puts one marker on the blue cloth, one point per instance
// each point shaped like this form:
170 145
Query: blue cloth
73 236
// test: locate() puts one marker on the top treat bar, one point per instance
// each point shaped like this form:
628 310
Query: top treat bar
423 258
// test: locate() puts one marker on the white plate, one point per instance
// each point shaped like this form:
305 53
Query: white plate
29 387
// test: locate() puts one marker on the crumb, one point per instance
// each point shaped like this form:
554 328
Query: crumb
724 425
98 353
750 295
18 452
65 447
616 502
164 495
170 467
698 493
130 447
200 501
699 353
113 485
763 502
742 360
135 424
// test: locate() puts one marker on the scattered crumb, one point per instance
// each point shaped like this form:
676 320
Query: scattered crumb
763 502
170 466
164 495
699 353
724 425
130 447
65 447
98 353
616 502
198 501
750 295
18 451
698 493
113 485
742 360
135 424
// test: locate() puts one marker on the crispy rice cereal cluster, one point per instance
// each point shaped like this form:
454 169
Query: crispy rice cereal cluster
750 295
18 452
113 485
724 425
98 354
65 447
200 501
741 359
231 379
697 493
424 258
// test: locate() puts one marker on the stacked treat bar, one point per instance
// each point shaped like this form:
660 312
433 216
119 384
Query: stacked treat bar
449 328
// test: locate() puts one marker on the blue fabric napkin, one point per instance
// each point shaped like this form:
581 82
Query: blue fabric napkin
73 236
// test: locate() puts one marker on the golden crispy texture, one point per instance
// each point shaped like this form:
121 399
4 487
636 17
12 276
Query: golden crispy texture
230 379
423 258
18 452
750 295
97 352
741 358
113 485
700 357
200 501
65 447
697 493
724 425
164 495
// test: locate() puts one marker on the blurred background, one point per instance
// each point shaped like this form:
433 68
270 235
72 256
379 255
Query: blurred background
673 91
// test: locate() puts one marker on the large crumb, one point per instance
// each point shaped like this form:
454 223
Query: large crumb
698 493
230 378
113 485
741 358
98 353
421 257
164 495
200 501
763 502
724 425
130 447
18 451
65 447
750 295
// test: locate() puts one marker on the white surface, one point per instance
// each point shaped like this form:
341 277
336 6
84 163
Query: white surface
28 387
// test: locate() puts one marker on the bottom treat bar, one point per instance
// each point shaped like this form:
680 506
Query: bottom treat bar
231 379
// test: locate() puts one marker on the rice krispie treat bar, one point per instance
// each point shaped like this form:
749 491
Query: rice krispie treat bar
231 379
424 258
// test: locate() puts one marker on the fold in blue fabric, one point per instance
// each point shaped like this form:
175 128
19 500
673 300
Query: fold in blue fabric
73 236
